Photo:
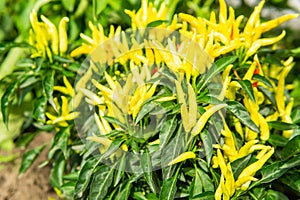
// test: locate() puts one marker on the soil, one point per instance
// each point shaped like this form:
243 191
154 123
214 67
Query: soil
34 184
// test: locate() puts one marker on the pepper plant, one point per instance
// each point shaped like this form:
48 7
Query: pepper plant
176 106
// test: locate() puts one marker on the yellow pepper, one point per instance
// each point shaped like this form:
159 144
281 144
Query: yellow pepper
252 169
64 116
53 34
266 26
63 36
182 157
250 25
263 42
67 90
204 118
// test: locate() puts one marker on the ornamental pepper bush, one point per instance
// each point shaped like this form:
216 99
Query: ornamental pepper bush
171 106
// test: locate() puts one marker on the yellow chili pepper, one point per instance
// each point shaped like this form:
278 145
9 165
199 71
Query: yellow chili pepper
99 124
229 184
250 71
95 99
263 42
250 135
238 127
182 157
264 128
191 19
108 92
218 193
266 26
280 89
287 118
254 17
226 81
63 36
263 152
254 167
53 34
244 150
164 99
244 179
105 143
204 118
223 12
225 49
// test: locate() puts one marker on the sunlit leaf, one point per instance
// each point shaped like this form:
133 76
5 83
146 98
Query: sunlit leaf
247 87
29 157
242 114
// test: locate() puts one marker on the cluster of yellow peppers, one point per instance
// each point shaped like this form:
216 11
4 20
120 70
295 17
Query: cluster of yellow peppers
45 34
216 37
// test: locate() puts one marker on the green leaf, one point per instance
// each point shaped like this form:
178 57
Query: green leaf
73 176
120 171
124 194
208 146
247 87
282 125
144 111
270 173
99 6
69 4
156 23
139 196
39 109
277 140
6 101
201 183
48 83
111 196
170 152
293 162
296 115
57 171
169 188
268 94
209 99
275 195
151 196
167 131
113 120
68 189
291 148
239 165
258 193
147 169
205 196
29 157
292 180
262 79
85 175
206 181
114 146
60 142
102 180
242 114
218 67
28 81
24 139
197 186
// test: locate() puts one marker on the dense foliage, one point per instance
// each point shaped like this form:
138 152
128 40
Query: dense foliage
164 100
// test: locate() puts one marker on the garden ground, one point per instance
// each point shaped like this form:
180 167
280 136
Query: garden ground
34 184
